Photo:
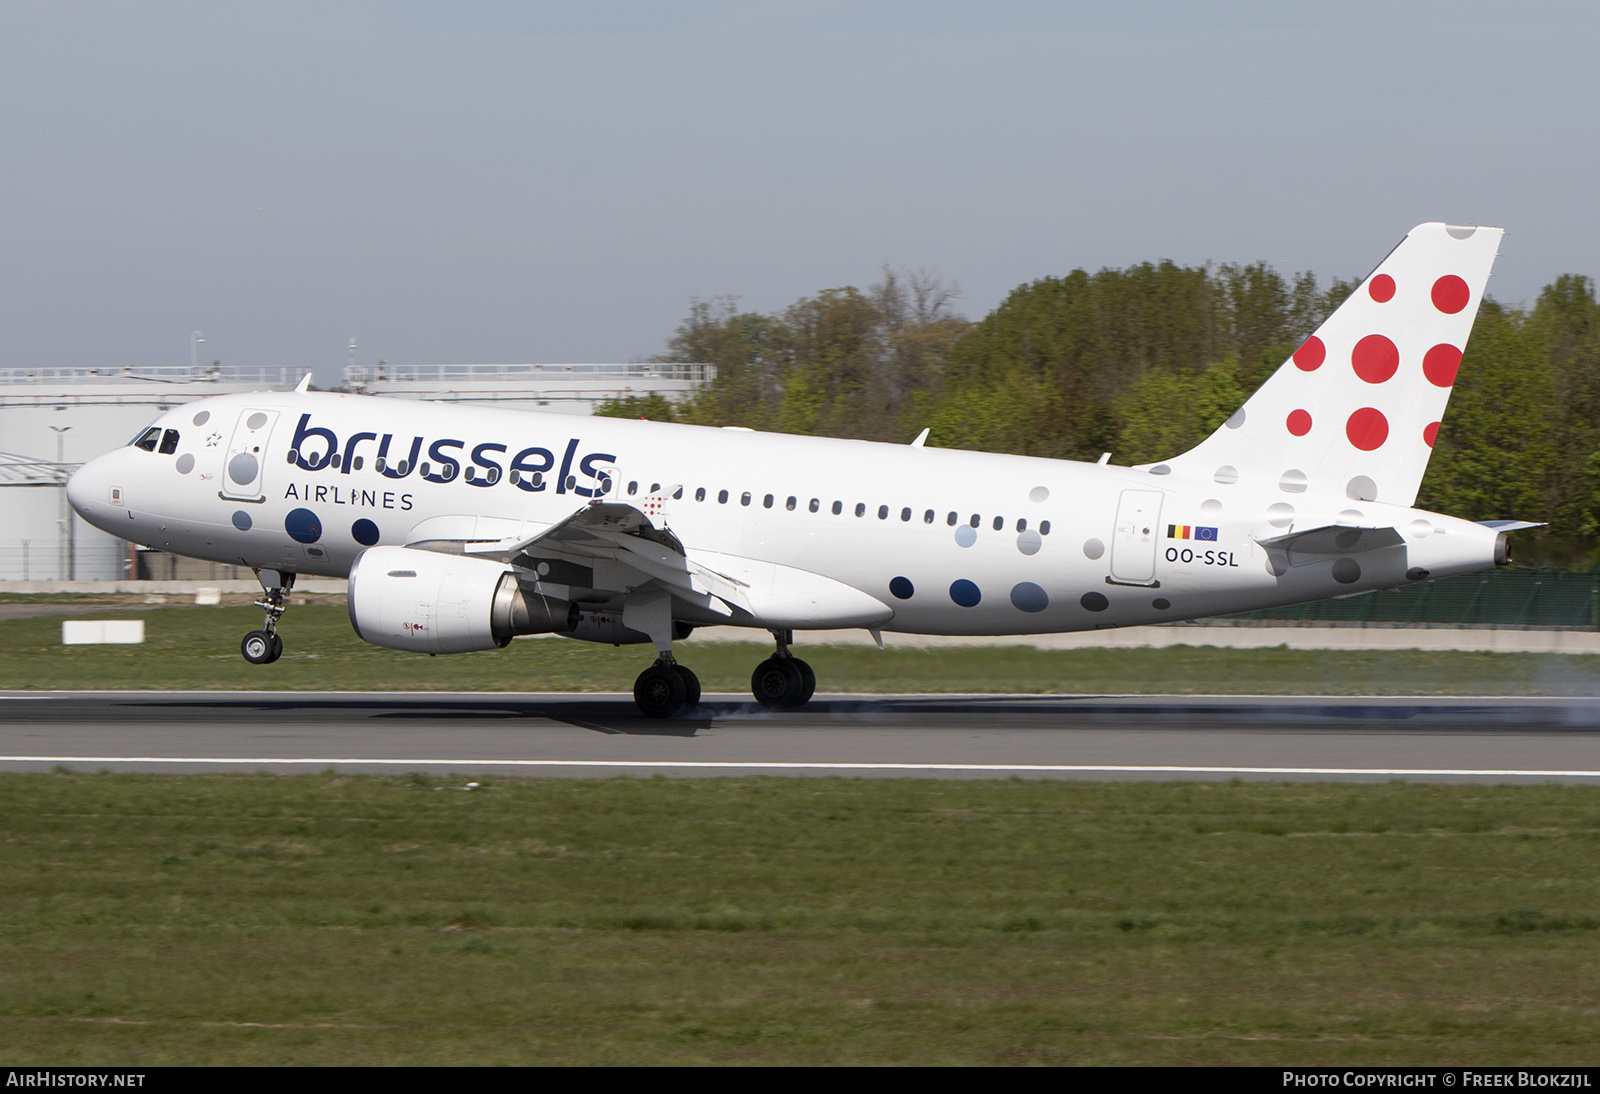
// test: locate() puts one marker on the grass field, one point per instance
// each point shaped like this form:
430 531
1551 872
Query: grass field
199 648
316 919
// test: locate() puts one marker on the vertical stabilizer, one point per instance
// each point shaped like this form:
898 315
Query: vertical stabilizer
1355 410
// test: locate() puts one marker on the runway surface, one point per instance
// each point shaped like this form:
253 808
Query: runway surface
1074 737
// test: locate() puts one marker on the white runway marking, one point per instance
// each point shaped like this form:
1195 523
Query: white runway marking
265 761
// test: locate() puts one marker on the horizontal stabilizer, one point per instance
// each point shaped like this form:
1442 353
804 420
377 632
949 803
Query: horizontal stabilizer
1335 539
1511 525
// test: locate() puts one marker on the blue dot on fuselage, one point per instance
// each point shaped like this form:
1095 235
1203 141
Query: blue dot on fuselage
241 520
965 593
1094 602
1028 597
902 587
303 526
365 532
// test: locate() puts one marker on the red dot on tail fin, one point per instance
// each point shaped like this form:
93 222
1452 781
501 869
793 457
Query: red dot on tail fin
1381 288
1450 294
1367 429
1299 423
1440 364
1309 357
1429 432
1375 358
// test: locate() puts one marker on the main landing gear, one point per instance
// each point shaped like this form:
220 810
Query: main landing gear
665 688
263 647
783 681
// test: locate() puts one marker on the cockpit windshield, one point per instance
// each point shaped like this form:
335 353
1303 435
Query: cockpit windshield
169 442
148 439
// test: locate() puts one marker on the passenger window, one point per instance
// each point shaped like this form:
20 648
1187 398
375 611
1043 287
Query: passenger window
927 518
976 520
861 508
538 480
790 504
950 520
700 494
838 507
816 503
766 502
677 495
148 439
744 498
633 488
883 512
655 488
722 497
905 514
1044 528
356 464
169 442
1022 525
999 524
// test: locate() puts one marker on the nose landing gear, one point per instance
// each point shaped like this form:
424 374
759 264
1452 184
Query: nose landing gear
783 681
263 647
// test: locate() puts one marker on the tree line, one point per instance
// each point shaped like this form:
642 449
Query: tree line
1144 362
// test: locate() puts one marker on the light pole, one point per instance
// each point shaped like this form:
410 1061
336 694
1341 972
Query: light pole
195 338
65 534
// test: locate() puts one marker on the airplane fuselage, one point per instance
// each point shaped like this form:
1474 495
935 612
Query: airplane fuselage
946 541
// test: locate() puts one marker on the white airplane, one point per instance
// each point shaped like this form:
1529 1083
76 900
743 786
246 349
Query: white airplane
460 528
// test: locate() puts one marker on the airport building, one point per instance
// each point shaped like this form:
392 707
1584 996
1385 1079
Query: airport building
559 389
53 420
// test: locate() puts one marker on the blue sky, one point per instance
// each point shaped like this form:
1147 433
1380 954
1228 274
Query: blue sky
500 181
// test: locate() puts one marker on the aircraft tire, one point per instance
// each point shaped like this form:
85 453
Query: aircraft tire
261 648
691 687
777 684
659 691
808 681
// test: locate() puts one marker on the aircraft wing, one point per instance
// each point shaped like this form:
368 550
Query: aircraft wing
620 548
608 532
1335 539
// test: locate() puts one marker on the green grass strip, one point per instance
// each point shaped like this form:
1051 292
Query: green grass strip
199 648
247 919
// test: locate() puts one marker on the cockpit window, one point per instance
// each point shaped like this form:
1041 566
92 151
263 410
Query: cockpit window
147 440
169 442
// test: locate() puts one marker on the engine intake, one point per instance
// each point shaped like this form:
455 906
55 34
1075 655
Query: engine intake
428 602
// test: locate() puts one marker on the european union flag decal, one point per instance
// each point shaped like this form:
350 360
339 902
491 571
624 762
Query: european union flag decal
1208 534
1191 531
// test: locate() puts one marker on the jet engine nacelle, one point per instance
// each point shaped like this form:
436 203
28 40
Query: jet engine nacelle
430 602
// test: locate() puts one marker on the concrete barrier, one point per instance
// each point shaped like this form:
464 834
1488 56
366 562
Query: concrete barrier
98 632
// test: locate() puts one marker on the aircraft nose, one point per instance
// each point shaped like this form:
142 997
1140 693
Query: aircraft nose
89 489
